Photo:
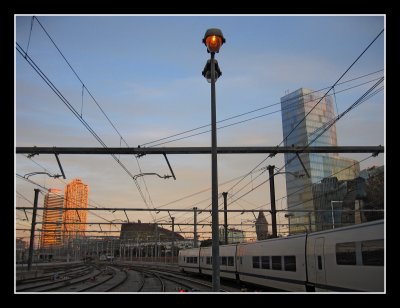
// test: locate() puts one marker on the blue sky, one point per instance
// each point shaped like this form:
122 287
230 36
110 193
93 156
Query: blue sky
145 72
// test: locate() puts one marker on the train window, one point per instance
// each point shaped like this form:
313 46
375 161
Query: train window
276 262
223 260
265 262
290 263
194 259
346 253
184 259
230 261
372 252
256 262
208 260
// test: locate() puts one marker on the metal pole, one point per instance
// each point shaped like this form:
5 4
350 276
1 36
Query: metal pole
173 238
214 184
195 227
225 194
31 241
272 193
156 242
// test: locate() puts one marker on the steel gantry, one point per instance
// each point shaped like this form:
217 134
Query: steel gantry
200 150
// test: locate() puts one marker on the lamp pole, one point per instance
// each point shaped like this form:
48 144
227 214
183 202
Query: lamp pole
214 183
214 39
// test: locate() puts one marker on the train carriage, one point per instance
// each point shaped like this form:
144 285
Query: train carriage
189 260
206 260
277 263
347 259
227 255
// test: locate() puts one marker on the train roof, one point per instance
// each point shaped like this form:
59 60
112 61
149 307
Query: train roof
362 225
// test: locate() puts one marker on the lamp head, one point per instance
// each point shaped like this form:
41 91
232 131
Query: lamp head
213 39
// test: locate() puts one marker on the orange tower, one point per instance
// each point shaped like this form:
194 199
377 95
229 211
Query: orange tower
75 196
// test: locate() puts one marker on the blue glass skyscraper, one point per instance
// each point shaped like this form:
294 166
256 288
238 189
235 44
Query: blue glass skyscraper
315 113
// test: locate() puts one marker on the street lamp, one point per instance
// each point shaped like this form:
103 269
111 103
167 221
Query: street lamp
214 39
333 216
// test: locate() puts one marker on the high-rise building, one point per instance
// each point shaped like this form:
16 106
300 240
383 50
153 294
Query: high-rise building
261 226
76 196
51 233
316 114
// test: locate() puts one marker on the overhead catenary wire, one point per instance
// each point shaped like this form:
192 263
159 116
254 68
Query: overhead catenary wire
84 87
248 112
288 107
338 80
87 126
362 99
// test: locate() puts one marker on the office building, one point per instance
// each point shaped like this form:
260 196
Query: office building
51 233
305 116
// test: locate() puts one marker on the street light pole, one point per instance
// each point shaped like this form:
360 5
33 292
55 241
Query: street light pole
214 39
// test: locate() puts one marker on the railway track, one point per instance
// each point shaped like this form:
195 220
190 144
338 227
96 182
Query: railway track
103 278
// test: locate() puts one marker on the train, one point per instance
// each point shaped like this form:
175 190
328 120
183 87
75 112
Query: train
345 259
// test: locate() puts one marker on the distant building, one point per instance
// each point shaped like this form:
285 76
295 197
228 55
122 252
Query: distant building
76 196
305 115
371 172
338 203
374 202
51 233
147 232
158 241
261 227
234 235
21 247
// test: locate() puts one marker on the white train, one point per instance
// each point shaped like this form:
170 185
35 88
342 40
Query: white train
348 259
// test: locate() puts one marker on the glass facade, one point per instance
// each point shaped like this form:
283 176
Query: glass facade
315 114
51 233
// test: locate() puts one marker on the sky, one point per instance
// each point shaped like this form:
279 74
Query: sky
145 74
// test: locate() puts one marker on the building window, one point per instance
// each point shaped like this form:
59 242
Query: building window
346 253
230 261
372 253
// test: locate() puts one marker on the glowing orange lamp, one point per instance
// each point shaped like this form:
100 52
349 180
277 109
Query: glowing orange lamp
213 39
